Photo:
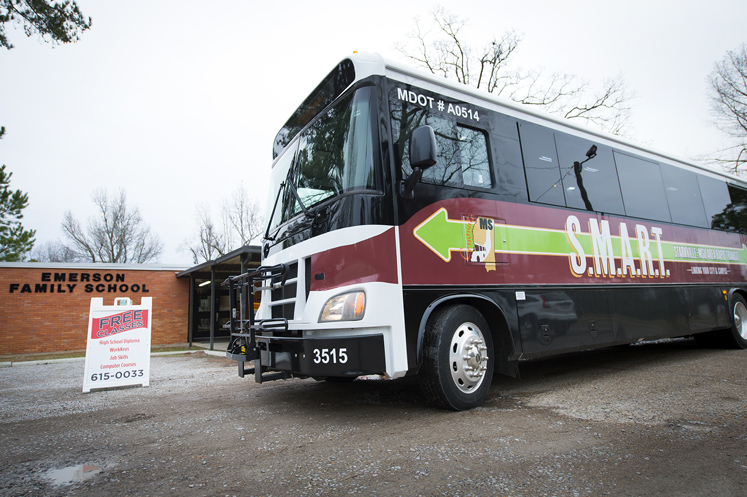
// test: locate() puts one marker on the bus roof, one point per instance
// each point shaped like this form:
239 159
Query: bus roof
368 64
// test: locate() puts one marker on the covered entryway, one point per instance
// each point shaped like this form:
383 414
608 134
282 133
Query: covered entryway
208 299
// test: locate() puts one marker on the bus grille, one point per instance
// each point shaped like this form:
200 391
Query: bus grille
283 299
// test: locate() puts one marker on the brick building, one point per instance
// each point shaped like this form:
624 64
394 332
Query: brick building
44 307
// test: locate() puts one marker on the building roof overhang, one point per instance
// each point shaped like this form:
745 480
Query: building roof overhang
231 262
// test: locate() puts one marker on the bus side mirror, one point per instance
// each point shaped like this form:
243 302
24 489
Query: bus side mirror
423 152
423 148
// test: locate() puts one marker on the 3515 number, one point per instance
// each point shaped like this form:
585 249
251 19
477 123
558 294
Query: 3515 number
331 356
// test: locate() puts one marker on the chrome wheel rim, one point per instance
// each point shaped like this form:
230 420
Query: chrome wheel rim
740 319
468 360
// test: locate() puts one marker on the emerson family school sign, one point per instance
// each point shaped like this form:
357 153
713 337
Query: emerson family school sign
44 307
88 282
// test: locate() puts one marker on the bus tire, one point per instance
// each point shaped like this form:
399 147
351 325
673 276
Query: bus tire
736 336
458 358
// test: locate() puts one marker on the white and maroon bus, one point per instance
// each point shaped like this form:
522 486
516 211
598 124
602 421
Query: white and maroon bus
419 226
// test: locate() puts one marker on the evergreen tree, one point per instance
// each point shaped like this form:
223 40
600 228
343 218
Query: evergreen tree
15 241
58 22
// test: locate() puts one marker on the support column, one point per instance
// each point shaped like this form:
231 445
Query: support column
213 311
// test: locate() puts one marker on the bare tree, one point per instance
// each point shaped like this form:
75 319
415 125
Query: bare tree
728 92
240 224
52 252
241 218
209 244
440 47
117 234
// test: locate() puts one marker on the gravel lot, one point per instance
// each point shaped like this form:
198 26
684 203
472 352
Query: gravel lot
663 418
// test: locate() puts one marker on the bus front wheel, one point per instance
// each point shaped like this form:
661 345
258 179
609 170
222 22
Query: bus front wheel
458 358
738 337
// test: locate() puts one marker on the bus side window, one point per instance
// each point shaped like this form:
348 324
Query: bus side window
683 196
463 158
447 171
642 188
509 170
739 204
715 199
589 181
473 158
734 215
405 118
541 164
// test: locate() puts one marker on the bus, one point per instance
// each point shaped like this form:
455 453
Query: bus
416 226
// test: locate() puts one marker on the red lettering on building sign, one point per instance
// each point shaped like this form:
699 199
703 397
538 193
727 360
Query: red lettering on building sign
117 323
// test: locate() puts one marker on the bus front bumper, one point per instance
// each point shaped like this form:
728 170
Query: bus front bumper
318 357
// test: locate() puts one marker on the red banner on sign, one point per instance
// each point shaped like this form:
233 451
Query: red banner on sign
117 323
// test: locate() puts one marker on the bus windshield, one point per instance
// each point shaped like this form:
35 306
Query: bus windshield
332 156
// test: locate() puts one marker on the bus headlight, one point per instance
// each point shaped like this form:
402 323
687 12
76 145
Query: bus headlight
346 307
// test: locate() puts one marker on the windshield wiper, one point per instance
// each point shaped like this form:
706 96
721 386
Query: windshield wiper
289 183
300 202
272 215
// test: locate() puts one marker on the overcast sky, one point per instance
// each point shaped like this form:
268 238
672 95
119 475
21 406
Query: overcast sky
178 101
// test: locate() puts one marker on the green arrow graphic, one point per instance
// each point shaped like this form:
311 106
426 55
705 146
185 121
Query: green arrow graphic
443 236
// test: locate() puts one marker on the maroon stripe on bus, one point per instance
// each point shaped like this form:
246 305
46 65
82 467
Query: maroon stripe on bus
363 262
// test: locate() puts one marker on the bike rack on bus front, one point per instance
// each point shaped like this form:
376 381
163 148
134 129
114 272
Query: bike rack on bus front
243 345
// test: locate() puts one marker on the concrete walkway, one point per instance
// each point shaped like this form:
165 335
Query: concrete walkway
219 350
218 345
